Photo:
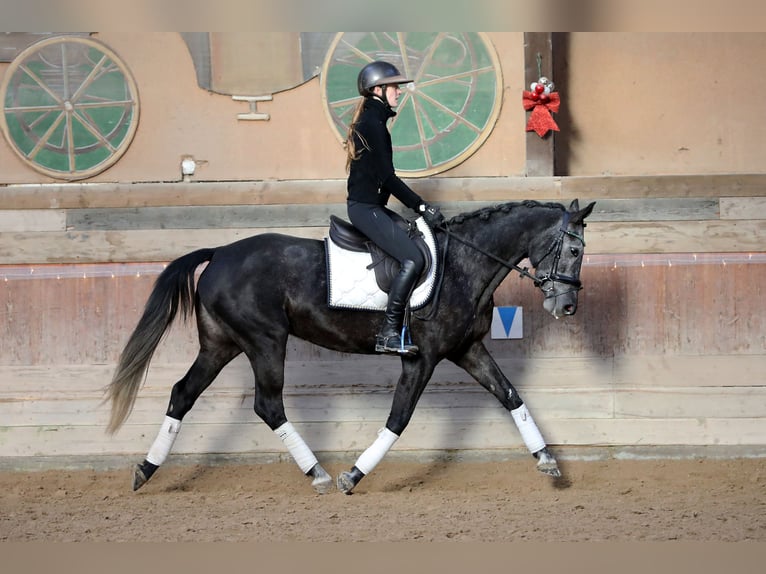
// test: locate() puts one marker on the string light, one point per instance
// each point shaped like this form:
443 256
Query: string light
673 259
79 270
140 270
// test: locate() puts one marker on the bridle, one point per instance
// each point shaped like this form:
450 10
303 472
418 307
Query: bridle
554 276
540 280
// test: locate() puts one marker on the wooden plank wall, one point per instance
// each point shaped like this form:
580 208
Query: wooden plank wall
666 350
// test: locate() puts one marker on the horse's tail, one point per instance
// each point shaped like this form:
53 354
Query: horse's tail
174 288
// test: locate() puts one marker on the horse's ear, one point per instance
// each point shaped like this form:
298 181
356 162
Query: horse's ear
580 215
574 206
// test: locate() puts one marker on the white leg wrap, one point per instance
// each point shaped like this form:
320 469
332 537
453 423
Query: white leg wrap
370 458
164 441
299 450
530 434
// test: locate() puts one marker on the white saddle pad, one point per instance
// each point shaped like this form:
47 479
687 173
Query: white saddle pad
352 286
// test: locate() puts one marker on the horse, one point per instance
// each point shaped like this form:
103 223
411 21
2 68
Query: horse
257 291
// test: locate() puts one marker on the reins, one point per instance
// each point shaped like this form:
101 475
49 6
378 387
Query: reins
523 271
539 280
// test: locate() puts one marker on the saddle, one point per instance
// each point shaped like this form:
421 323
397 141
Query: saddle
359 273
348 237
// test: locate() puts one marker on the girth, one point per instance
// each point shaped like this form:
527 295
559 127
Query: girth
345 235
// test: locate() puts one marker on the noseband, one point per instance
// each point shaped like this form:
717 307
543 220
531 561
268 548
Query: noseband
540 280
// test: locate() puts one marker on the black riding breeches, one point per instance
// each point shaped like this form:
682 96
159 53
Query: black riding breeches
376 222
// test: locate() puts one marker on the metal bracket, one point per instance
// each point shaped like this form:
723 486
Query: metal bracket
253 114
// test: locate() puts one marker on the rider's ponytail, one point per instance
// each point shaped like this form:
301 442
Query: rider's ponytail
351 136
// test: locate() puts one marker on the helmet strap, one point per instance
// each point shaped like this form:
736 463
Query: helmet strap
384 95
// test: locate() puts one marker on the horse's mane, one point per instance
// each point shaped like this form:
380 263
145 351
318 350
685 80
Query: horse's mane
486 212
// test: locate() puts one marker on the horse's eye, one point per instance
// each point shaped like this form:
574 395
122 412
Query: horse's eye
574 251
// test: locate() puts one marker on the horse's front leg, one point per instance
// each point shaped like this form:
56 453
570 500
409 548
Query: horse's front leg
478 363
415 375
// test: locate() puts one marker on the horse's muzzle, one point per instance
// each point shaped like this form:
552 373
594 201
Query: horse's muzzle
561 304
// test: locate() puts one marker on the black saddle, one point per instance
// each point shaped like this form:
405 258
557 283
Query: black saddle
346 236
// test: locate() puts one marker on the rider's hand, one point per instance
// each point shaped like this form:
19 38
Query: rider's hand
431 214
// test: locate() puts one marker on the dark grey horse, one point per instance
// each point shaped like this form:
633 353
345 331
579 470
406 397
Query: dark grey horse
256 292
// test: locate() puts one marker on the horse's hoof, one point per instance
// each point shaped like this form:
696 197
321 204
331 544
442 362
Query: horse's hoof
550 470
323 485
322 482
139 478
142 473
547 464
348 480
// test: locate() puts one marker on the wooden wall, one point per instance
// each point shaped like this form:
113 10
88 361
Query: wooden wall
667 348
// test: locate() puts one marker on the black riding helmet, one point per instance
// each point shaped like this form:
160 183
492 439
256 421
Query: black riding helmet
378 73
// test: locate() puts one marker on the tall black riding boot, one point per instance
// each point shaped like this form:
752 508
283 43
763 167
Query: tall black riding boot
390 339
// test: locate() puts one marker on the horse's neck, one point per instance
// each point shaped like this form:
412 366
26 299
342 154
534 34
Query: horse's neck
509 237
513 236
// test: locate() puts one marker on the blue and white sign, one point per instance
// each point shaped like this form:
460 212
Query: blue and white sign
507 323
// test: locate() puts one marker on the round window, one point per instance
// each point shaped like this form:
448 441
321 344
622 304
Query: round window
70 107
447 111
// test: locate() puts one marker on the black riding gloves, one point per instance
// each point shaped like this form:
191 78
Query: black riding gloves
431 214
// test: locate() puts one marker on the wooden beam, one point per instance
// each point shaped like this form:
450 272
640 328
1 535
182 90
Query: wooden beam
145 245
718 185
314 192
304 215
538 61
743 207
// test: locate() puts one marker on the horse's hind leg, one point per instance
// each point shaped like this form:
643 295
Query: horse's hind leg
182 398
304 458
268 367
478 363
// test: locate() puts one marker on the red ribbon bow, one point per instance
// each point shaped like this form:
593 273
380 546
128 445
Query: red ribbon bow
541 120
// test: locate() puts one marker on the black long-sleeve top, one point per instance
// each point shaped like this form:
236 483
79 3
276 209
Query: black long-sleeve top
371 177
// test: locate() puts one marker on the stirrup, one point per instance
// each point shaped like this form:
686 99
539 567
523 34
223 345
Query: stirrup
396 344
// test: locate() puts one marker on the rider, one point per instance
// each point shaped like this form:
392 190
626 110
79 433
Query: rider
371 181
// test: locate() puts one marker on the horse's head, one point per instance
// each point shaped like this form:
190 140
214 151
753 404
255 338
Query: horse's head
557 262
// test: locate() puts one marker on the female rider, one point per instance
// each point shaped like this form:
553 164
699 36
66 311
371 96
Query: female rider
371 181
